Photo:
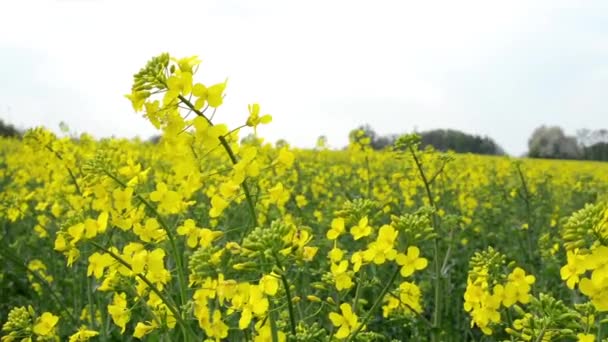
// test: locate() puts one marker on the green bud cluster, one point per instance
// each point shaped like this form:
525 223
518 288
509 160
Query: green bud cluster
416 227
97 168
490 262
370 336
152 75
407 141
584 227
308 332
356 209
19 324
200 266
266 242
547 314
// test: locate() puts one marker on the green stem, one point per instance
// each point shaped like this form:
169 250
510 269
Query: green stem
369 176
599 329
541 334
437 299
273 327
527 200
373 308
231 155
91 303
358 291
58 155
292 318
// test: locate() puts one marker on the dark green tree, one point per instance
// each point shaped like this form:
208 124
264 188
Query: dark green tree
8 130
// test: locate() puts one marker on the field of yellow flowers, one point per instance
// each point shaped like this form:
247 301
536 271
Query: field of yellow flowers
205 236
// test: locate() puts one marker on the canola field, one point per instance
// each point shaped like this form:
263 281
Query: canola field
206 236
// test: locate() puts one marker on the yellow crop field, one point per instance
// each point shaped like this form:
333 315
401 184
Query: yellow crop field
213 234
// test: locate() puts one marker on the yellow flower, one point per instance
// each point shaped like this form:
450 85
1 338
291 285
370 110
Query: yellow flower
122 198
519 277
357 260
76 232
346 322
218 204
336 254
98 263
264 333
215 96
186 64
337 228
411 262
585 337
170 201
217 328
137 99
382 249
190 229
285 158
150 232
278 194
301 201
409 294
142 329
45 325
575 267
597 290
207 236
361 229
254 118
513 292
119 312
256 303
308 253
598 262
179 83
269 284
341 277
83 334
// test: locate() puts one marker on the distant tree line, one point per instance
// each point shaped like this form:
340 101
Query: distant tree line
552 142
8 130
440 139
545 142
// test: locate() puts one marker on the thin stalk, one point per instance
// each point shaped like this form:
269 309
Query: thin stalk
103 329
437 309
528 204
358 291
373 308
273 327
448 253
58 155
292 318
369 176
541 334
599 329
231 155
91 303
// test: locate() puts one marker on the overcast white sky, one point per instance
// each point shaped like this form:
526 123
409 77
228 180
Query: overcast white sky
496 68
